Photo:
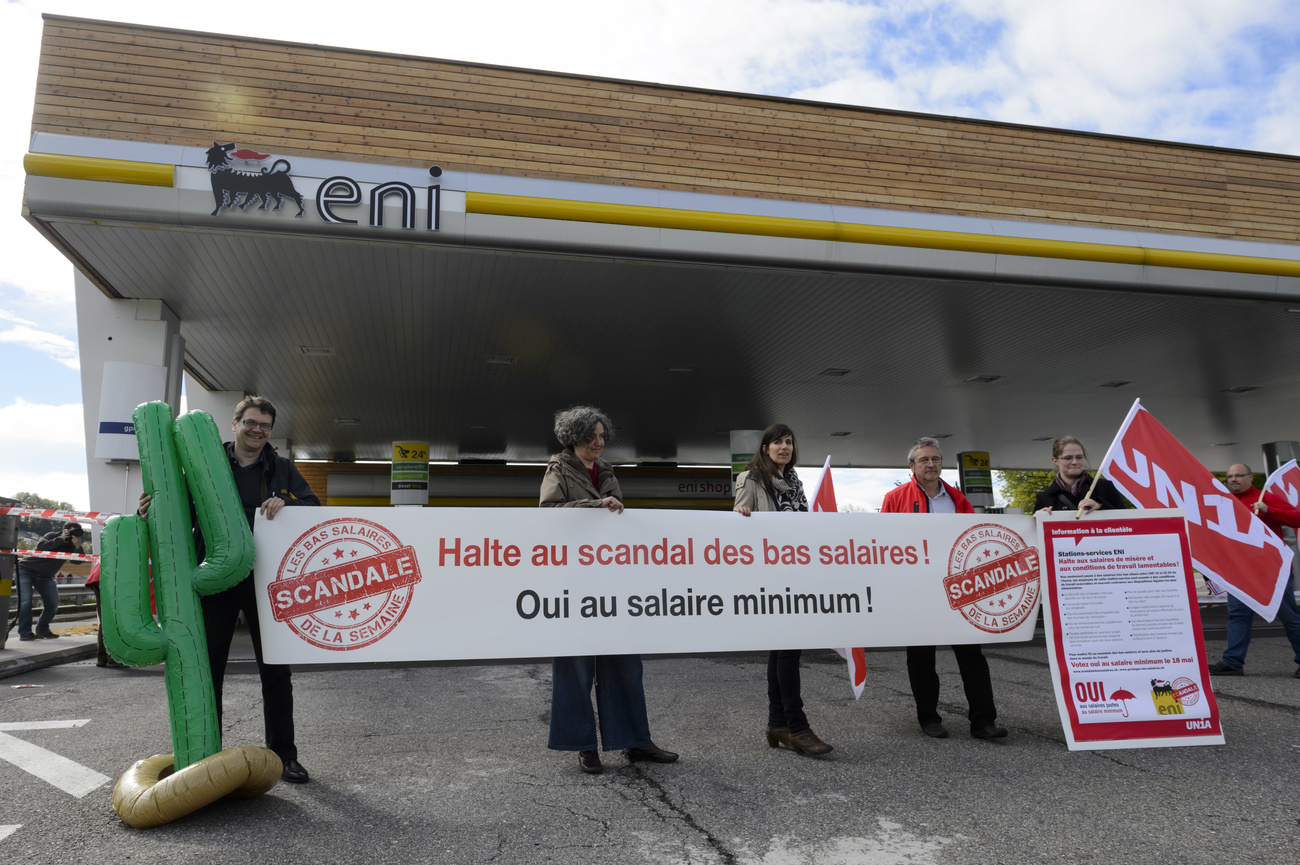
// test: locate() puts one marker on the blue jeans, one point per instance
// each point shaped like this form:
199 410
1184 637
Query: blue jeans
620 702
1241 619
27 581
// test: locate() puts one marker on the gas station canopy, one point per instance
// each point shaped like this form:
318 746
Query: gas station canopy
399 248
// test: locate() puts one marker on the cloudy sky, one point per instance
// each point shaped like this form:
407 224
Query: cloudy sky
1203 71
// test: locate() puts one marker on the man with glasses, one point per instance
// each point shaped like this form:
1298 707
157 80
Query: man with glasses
1275 512
266 482
37 576
927 493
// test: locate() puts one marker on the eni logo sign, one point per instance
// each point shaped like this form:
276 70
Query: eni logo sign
339 191
234 188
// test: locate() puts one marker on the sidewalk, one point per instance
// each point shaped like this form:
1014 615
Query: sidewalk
76 643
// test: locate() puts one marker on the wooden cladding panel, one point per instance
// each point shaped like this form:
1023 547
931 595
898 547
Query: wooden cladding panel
138 83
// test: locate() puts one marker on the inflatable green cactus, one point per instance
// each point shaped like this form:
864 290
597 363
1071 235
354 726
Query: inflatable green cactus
181 460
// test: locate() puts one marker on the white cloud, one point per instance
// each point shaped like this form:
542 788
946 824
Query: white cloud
6 315
1182 71
43 451
58 347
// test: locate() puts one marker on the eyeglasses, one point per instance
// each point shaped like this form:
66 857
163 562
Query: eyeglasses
1072 457
251 425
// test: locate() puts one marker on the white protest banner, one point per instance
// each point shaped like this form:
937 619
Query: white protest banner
1124 631
338 585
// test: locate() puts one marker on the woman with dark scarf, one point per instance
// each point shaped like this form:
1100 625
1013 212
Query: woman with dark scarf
1069 489
769 483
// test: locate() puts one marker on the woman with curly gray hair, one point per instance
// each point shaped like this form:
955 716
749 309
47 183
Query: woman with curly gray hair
577 477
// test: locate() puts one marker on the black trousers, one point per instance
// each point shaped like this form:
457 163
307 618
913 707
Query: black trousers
974 677
101 653
220 612
784 704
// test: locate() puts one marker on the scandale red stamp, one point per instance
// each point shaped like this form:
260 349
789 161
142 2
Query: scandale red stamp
344 584
992 578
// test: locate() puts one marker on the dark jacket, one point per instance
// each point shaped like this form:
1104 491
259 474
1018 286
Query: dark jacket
566 483
53 542
1055 497
909 498
279 478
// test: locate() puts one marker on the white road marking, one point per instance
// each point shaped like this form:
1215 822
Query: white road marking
43 725
6 831
68 775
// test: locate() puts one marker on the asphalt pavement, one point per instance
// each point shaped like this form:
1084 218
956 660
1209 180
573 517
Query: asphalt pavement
448 764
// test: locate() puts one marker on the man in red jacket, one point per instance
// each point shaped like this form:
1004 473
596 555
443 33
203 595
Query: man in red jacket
1275 512
926 493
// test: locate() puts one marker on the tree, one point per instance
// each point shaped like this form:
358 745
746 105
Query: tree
32 500
1020 486
38 526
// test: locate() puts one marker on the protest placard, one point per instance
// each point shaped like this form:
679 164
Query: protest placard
1124 632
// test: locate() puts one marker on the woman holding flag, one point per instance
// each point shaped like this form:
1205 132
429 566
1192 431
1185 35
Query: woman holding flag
1069 489
770 483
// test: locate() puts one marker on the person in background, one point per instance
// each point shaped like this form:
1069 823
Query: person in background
1069 489
37 575
770 483
1275 512
102 658
927 493
577 477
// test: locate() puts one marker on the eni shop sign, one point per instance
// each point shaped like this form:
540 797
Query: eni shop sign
249 188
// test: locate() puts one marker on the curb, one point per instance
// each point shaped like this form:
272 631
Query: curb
17 666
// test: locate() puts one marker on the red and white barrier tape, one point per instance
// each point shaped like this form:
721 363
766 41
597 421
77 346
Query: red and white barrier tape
43 554
81 516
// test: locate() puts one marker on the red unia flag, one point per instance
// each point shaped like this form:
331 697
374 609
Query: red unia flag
1285 482
823 501
1230 545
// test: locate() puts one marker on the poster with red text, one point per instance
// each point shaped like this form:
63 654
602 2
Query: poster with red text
339 585
1124 631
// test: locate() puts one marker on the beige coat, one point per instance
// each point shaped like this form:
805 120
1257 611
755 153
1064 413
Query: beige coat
750 493
567 484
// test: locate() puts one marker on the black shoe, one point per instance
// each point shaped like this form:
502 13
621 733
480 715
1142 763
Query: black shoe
1296 674
807 742
294 773
778 736
935 730
589 762
50 635
988 731
1222 669
651 752
111 664
26 637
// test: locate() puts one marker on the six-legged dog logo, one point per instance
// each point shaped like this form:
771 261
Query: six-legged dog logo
228 185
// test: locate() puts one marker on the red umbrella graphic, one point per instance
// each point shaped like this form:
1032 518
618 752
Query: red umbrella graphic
1122 695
